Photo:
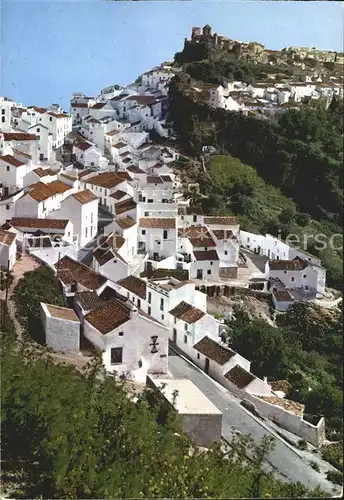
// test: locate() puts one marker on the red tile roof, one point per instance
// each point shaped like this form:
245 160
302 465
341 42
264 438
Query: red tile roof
13 161
118 194
186 312
202 242
85 196
119 145
239 377
213 350
35 223
134 285
79 104
62 313
83 145
296 264
125 206
41 172
40 191
159 223
126 222
283 296
108 179
220 221
7 237
98 105
19 136
142 99
70 270
206 255
109 316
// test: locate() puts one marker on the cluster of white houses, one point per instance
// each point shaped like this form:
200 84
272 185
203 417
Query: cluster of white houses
118 204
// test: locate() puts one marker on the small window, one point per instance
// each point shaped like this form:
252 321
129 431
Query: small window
38 129
165 234
120 334
50 118
209 271
186 327
7 207
143 231
185 339
161 304
149 297
198 356
7 168
3 111
305 275
175 320
162 317
139 303
146 214
116 355
292 279
306 287
195 218
3 119
226 252
149 311
285 272
211 263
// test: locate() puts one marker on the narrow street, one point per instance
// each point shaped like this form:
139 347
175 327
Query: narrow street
285 459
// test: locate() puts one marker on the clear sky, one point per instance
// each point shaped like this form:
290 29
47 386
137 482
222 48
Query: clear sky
52 48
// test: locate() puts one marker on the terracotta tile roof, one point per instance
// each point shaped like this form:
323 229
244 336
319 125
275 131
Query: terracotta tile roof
127 160
287 404
166 178
35 223
223 234
186 312
98 105
39 110
202 242
18 136
142 99
135 170
280 385
113 132
118 194
110 293
159 223
126 222
198 232
108 179
109 316
7 237
88 300
70 177
134 285
154 179
283 296
114 240
70 270
119 97
79 104
83 145
62 313
296 264
104 254
239 377
125 206
86 172
179 274
213 350
206 255
13 161
40 191
85 196
119 145
58 115
41 172
221 221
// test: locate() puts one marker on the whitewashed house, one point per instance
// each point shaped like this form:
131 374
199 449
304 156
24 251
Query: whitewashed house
8 249
5 113
45 140
81 208
7 206
57 229
75 276
12 173
89 156
132 342
40 174
41 199
21 141
61 327
158 237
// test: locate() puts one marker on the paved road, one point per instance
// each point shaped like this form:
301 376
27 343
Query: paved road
283 458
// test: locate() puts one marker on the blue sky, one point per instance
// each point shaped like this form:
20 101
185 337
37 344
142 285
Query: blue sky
52 48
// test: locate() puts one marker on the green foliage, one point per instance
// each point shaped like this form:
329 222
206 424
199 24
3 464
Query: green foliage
82 436
40 285
333 453
335 477
306 349
6 322
6 279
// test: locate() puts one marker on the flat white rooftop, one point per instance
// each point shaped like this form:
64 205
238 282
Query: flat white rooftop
188 400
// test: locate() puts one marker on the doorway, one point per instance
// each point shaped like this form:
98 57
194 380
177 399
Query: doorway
199 274
206 365
174 336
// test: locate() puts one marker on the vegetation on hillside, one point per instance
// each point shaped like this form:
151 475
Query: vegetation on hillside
306 348
67 435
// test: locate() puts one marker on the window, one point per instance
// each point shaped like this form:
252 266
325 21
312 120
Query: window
185 339
306 287
7 168
209 271
92 218
149 297
149 311
139 303
7 207
285 272
186 327
198 356
305 275
143 231
3 111
162 317
38 129
195 218
182 217
146 214
161 304
116 355
211 263
226 252
86 232
50 118
165 234
3 119
292 279
120 334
